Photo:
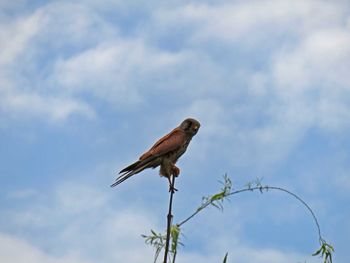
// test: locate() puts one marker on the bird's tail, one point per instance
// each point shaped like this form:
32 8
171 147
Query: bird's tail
122 178
130 171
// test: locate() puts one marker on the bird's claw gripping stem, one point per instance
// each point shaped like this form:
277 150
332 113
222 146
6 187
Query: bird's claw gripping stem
171 186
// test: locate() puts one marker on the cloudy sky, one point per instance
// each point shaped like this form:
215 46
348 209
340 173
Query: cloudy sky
87 86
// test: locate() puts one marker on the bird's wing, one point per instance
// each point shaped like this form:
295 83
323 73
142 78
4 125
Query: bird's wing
169 142
172 141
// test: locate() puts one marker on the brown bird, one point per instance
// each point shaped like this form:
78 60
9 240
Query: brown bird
164 153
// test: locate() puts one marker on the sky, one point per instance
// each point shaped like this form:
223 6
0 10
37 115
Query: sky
87 86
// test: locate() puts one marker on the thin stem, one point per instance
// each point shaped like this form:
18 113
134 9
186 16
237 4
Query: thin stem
193 214
261 188
174 256
169 220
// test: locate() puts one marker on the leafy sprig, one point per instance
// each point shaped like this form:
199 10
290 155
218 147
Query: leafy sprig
217 200
325 251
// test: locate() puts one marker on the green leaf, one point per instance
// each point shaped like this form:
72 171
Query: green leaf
225 258
174 232
218 196
317 252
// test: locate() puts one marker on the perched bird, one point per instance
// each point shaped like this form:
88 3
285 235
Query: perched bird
164 153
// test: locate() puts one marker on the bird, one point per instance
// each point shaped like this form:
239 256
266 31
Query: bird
164 153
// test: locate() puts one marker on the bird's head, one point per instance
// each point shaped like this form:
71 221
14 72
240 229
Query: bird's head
190 126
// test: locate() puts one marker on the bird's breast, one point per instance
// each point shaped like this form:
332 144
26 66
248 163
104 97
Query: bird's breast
176 154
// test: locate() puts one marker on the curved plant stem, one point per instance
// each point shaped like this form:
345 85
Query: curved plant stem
261 188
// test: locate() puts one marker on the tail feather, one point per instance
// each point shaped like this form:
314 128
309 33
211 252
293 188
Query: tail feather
122 178
130 171
131 167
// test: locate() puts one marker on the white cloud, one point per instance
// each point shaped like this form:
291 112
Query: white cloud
249 21
124 251
112 71
20 96
105 65
313 76
14 249
72 25
301 81
15 36
50 108
85 224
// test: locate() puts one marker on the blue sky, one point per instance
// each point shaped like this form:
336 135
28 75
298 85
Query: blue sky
86 87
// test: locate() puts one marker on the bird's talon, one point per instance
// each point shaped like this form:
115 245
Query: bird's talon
172 189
